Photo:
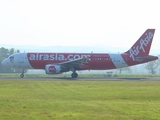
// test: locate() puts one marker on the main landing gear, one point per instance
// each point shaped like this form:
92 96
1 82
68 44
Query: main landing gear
22 75
74 75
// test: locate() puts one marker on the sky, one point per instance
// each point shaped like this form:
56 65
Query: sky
116 23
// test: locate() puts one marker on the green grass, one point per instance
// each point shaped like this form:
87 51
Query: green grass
79 100
102 75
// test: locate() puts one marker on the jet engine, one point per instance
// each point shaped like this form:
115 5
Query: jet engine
52 69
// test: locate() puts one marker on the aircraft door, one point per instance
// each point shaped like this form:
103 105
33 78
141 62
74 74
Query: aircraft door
21 58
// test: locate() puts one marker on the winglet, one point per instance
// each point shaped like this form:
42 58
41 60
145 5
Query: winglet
142 45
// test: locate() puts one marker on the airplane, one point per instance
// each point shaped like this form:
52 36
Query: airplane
56 63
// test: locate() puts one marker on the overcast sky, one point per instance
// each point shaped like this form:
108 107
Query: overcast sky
78 22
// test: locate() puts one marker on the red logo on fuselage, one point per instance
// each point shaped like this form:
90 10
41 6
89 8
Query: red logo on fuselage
52 69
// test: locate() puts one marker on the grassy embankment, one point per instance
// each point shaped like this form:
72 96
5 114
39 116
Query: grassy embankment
68 99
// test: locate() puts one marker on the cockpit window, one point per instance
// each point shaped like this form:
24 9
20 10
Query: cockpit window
11 59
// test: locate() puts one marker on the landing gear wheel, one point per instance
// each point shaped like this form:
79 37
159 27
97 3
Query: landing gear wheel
22 75
74 75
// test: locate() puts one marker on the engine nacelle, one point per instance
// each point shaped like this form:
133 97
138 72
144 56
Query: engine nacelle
52 69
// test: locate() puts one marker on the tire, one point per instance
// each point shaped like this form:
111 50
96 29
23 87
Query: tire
74 75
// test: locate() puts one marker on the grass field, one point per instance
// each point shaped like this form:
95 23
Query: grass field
79 100
102 75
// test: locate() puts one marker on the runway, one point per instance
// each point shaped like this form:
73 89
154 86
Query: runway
85 78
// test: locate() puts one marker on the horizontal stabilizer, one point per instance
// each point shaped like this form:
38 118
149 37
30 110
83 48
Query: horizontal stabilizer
139 59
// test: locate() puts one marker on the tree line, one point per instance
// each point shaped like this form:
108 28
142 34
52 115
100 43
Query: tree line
5 53
154 66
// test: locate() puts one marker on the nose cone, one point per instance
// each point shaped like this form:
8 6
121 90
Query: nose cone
4 62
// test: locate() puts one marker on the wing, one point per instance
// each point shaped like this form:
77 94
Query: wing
78 63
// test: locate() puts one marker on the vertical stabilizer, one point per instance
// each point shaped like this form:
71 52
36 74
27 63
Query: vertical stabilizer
142 46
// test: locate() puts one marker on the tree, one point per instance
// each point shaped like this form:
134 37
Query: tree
152 66
4 53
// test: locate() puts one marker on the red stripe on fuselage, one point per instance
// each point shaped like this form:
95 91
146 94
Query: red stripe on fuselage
95 62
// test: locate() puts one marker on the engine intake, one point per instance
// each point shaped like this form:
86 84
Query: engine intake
52 69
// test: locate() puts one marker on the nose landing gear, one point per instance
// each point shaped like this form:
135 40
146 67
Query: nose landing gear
22 75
